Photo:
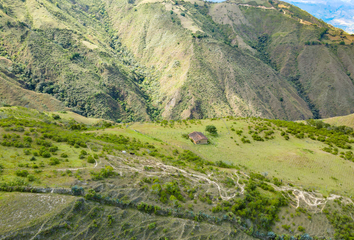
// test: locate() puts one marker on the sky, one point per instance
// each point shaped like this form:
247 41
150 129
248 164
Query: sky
339 13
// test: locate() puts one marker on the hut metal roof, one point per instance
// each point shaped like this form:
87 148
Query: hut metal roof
197 136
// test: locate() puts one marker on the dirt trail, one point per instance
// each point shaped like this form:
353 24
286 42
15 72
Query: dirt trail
39 230
262 7
242 187
192 176
311 199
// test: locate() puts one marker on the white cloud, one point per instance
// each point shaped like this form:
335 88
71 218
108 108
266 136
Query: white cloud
339 13
308 1
346 24
328 2
343 21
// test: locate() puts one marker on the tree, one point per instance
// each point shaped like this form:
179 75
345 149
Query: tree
90 159
211 129
56 116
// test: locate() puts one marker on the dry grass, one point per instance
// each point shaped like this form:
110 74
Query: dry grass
341 120
305 22
26 209
283 6
89 45
67 115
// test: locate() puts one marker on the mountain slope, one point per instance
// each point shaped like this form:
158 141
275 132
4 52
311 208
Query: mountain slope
138 60
255 179
56 58
317 71
209 71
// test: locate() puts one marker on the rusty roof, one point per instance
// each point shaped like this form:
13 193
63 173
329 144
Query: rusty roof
197 136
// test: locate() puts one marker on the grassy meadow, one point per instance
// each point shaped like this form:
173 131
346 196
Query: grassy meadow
297 161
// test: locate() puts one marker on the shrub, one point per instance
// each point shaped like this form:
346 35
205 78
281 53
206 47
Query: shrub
56 116
17 182
152 226
110 219
223 164
211 129
27 139
217 208
53 149
26 151
286 227
77 191
43 143
64 155
156 188
301 229
104 173
256 137
277 182
184 135
75 56
239 132
147 207
54 161
31 178
245 140
22 173
90 159
45 154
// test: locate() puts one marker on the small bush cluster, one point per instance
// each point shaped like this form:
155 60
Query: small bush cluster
22 173
54 161
106 172
167 190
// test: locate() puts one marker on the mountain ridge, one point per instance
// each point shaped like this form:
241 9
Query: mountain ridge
149 59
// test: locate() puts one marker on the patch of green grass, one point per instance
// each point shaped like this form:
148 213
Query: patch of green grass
284 159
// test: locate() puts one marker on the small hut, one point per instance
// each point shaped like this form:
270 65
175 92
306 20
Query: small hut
198 138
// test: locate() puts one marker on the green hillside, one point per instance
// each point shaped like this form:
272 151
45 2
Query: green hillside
256 179
97 98
151 59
